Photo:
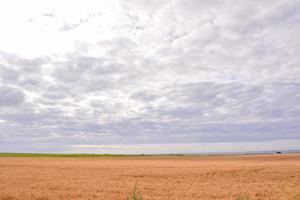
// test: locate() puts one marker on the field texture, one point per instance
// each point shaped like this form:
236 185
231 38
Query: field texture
255 177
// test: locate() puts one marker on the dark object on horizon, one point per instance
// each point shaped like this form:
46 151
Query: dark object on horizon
278 152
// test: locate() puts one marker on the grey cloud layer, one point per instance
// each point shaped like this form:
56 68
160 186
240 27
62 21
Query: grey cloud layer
170 72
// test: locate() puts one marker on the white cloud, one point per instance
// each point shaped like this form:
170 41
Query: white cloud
10 96
141 73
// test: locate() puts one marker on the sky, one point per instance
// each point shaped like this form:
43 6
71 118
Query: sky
140 76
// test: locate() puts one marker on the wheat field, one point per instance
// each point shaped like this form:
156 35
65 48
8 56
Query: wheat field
255 177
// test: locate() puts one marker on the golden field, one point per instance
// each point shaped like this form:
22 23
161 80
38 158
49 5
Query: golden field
255 177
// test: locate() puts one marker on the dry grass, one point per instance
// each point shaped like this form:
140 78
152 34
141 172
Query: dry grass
257 177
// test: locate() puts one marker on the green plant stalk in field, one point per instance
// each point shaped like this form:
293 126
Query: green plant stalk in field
243 197
135 194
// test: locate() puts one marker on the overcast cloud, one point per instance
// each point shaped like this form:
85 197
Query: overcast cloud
139 76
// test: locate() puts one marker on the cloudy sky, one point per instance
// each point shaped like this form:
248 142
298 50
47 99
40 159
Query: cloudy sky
159 76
